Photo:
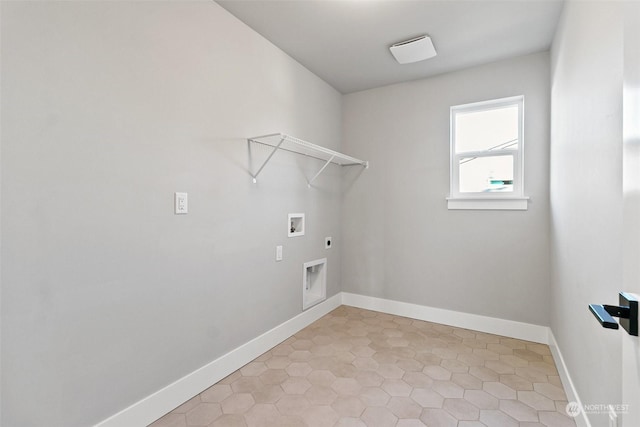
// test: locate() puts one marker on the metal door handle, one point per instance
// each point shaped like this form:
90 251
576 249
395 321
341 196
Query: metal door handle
603 316
627 311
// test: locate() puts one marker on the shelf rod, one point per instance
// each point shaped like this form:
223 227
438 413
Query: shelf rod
309 146
255 176
301 154
320 171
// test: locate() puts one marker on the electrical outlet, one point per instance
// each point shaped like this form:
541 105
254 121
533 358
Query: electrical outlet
180 203
328 241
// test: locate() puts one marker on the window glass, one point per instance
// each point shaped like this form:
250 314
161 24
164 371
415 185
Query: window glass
486 174
493 129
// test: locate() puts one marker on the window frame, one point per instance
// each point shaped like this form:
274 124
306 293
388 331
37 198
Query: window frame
488 200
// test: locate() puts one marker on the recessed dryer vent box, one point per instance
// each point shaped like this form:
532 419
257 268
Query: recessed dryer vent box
314 282
295 226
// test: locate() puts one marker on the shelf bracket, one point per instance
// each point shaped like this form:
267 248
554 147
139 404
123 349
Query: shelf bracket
320 171
255 176
282 142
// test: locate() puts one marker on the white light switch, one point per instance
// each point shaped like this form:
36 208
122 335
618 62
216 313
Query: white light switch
181 206
278 253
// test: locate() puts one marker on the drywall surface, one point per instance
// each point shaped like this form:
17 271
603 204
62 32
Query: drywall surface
586 194
401 241
108 108
630 346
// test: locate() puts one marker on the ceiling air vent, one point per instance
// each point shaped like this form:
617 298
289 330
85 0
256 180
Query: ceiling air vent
414 50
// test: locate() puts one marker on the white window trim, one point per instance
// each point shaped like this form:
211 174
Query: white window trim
514 200
489 204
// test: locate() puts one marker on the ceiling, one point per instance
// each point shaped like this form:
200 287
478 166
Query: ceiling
346 42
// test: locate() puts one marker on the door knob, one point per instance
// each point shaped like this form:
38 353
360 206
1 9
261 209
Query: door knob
627 311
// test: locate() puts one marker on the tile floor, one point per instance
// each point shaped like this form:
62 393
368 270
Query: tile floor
356 367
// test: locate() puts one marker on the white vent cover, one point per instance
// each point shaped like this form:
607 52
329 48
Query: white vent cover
413 50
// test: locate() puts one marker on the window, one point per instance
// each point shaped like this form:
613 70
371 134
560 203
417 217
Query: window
487 155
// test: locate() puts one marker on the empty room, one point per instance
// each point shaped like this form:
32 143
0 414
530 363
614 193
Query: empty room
319 213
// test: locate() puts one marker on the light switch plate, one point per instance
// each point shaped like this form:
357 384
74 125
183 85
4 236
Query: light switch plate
278 253
180 203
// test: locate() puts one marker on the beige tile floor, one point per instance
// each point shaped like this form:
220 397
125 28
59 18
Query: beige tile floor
356 367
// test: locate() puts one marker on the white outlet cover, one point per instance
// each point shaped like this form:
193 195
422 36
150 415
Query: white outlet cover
181 205
328 242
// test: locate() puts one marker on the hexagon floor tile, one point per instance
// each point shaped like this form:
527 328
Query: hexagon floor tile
357 367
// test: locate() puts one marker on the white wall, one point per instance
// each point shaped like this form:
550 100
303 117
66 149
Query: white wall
631 196
401 242
108 108
586 193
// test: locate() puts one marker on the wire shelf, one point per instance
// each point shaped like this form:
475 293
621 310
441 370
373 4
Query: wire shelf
280 141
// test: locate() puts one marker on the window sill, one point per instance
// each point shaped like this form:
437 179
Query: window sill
488 203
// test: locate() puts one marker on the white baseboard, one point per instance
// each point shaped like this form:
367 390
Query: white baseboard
491 325
569 388
163 401
152 407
